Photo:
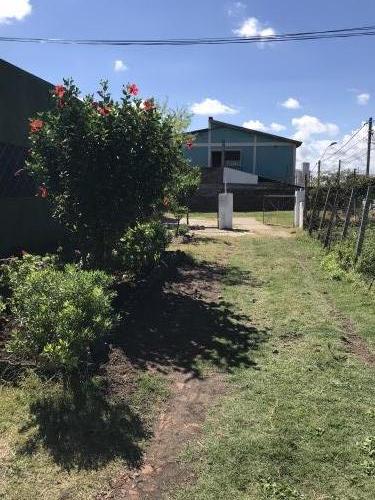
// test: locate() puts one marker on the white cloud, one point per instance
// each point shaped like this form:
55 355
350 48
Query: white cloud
307 128
291 103
253 27
236 9
211 107
119 65
258 125
363 99
277 127
255 125
14 10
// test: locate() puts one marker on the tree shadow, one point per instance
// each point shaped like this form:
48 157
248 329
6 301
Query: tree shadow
182 321
84 431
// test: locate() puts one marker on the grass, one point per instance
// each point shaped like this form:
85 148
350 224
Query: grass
298 420
278 218
302 423
52 446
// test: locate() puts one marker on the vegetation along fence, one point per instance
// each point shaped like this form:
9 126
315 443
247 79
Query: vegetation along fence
342 217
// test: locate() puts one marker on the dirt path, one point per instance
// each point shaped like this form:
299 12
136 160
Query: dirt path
194 298
242 226
179 424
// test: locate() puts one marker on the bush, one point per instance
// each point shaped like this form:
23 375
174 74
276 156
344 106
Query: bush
366 262
104 165
59 314
344 252
140 249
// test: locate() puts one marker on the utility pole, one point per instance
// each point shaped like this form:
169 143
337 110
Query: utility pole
369 140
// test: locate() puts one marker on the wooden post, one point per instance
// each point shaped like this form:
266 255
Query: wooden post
362 229
319 169
313 210
324 211
347 216
332 220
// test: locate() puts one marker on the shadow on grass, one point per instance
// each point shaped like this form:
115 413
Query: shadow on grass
83 431
184 320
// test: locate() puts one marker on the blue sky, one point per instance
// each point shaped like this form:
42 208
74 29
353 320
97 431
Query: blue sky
314 91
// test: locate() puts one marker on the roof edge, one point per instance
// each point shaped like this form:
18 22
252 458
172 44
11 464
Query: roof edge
249 130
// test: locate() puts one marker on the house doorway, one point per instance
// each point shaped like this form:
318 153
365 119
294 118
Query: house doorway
216 159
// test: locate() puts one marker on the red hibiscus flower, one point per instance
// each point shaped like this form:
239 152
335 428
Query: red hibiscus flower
149 105
59 91
103 110
132 89
189 144
42 191
36 125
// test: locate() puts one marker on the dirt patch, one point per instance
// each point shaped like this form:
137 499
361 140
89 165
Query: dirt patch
242 226
353 342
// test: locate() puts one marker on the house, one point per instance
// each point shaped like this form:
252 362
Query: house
251 163
25 221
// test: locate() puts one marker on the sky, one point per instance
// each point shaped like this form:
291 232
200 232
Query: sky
318 92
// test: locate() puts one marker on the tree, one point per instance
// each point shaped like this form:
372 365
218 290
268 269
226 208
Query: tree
185 183
105 165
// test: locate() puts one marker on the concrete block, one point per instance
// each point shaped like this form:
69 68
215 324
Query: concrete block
226 211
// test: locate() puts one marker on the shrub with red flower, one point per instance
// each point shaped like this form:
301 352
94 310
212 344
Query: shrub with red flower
96 167
132 89
189 143
36 125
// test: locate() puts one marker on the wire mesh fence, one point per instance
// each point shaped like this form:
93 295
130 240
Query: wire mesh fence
343 218
278 210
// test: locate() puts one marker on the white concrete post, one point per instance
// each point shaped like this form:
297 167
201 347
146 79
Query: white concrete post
301 214
226 211
299 208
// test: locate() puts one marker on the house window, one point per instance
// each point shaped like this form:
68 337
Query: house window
233 159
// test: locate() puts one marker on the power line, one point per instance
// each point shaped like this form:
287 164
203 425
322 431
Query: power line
346 143
286 37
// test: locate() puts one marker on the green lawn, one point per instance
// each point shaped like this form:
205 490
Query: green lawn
281 218
301 423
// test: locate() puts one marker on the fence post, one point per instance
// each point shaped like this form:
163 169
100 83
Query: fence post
300 196
362 229
313 210
324 211
327 239
347 216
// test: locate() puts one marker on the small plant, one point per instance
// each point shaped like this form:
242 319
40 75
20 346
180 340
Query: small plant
332 267
59 314
273 490
141 248
368 449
